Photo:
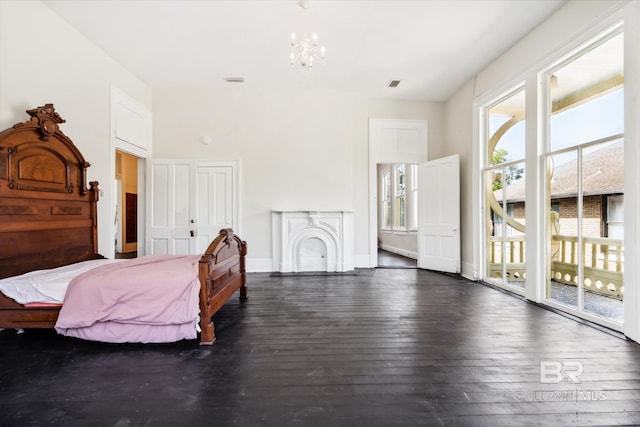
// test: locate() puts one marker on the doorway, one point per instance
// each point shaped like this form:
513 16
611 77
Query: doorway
397 215
126 219
391 142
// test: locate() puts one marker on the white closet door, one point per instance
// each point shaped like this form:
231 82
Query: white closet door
189 202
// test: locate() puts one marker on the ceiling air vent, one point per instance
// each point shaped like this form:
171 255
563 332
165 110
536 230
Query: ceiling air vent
394 83
234 79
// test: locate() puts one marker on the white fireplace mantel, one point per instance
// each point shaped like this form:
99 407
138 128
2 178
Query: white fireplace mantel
312 240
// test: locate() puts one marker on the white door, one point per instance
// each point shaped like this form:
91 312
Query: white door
189 202
439 215
215 202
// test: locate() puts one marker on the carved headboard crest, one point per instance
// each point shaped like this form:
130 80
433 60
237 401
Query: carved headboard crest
47 118
37 156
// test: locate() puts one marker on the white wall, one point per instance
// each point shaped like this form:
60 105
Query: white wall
44 60
298 150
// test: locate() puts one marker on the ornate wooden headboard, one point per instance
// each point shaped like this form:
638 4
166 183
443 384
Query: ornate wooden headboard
48 212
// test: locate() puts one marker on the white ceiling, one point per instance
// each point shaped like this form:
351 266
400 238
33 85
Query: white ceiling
432 46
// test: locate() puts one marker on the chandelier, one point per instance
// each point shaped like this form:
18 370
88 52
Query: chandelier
305 51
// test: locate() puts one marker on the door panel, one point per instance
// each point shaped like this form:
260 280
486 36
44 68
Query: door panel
169 207
215 202
439 215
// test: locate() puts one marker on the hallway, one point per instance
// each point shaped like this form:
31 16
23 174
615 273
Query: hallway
388 259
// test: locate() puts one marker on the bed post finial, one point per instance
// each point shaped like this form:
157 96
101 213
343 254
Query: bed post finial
228 235
47 118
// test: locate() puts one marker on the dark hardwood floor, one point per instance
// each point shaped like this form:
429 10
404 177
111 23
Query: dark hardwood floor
386 347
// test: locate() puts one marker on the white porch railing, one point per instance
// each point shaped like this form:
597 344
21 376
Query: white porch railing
602 260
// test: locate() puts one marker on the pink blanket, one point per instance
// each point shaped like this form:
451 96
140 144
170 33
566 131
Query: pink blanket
149 299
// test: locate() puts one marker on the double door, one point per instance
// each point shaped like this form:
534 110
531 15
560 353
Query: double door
189 202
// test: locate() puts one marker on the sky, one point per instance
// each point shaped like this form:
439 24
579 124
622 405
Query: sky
601 117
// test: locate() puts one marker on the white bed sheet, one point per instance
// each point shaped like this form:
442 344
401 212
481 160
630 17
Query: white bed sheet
46 286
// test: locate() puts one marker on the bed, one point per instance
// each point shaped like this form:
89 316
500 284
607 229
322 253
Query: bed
48 219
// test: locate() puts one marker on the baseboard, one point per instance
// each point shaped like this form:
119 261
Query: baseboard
469 272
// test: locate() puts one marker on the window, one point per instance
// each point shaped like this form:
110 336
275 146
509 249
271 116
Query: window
584 163
400 205
615 217
386 200
413 173
575 188
398 188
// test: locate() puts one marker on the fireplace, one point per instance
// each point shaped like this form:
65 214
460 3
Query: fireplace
312 241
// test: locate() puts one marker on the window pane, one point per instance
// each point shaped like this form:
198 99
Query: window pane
562 188
602 167
414 209
400 180
494 226
399 206
615 211
386 214
505 194
507 130
584 111
514 238
386 200
386 186
400 212
413 217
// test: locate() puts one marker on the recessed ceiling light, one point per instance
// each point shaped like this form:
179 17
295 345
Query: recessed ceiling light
394 83
234 79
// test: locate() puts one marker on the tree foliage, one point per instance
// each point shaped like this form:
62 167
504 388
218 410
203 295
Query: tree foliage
512 174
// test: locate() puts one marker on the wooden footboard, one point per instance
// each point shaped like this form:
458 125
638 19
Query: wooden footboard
222 273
